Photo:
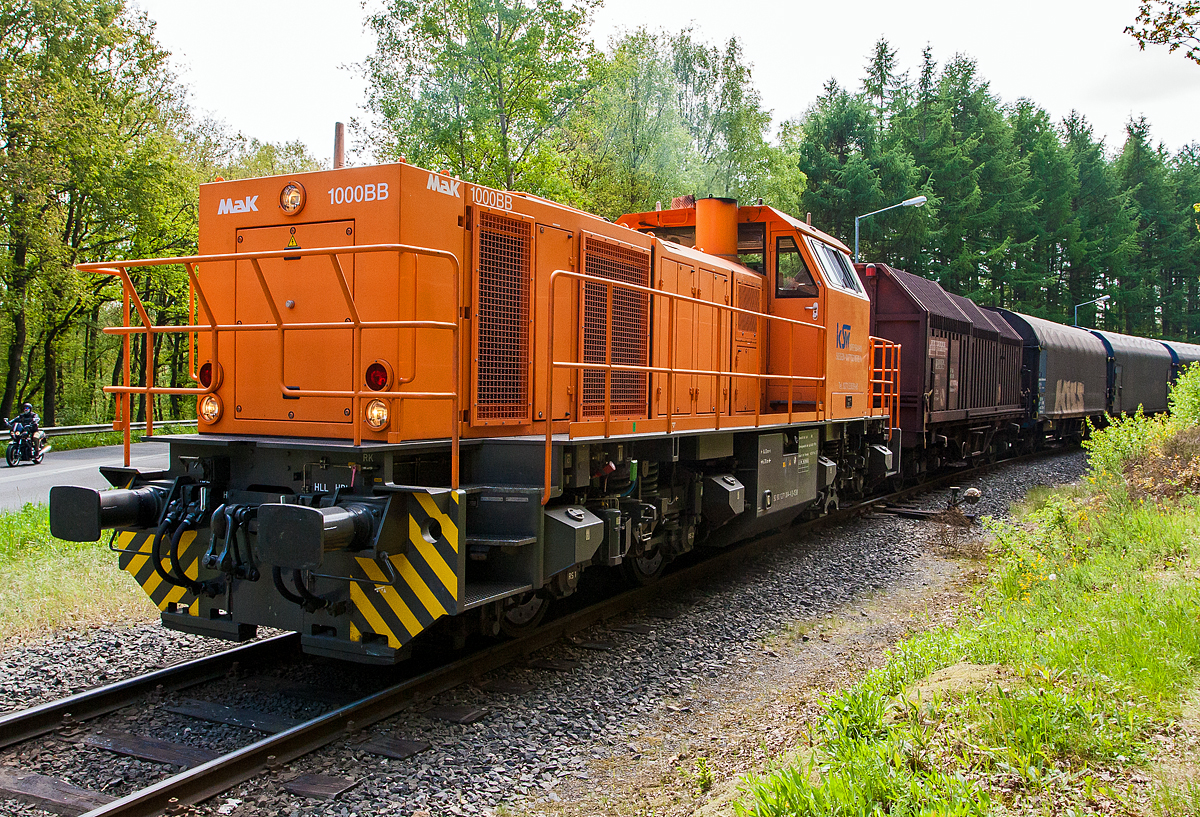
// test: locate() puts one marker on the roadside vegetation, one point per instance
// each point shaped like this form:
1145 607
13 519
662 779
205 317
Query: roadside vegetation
48 584
101 438
1069 688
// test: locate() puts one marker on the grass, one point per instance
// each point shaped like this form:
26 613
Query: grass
75 441
48 584
1089 614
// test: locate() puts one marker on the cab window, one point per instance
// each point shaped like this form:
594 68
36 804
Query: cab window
792 278
839 272
752 245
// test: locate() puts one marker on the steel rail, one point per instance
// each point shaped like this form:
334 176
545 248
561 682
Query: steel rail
41 719
202 782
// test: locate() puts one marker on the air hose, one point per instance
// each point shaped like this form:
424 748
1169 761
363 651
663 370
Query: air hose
313 602
156 551
306 598
189 523
277 577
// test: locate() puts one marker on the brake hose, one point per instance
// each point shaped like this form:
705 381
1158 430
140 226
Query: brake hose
188 523
277 576
314 602
156 551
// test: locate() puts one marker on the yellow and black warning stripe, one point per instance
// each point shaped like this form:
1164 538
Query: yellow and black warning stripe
136 560
427 573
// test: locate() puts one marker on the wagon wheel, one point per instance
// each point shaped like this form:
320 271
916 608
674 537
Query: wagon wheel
524 616
641 569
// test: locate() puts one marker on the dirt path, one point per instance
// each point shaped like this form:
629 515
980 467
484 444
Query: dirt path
690 759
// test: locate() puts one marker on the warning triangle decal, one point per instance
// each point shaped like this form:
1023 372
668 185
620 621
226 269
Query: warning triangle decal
292 245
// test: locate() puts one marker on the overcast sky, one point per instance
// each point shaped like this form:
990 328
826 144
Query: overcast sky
280 70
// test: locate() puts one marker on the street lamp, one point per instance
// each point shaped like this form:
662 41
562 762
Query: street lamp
1099 300
915 201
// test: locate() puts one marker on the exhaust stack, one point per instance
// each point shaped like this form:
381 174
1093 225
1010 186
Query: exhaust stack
339 145
717 227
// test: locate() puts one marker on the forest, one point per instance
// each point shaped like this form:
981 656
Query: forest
101 157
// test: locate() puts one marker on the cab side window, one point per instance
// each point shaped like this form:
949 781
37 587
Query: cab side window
752 246
792 278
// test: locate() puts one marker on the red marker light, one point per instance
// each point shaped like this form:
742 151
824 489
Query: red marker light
206 375
377 377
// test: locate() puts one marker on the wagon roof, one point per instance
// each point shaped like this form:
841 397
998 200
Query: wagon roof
929 296
1182 353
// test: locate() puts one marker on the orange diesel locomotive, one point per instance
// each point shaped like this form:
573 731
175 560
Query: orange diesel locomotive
425 404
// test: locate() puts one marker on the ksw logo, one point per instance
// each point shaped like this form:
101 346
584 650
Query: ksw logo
843 335
443 185
246 205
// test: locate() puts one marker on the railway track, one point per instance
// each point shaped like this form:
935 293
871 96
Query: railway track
209 778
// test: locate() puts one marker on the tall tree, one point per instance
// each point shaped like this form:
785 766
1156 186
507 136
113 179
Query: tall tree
1185 178
86 105
1051 231
478 86
1107 225
629 145
881 81
723 111
1148 296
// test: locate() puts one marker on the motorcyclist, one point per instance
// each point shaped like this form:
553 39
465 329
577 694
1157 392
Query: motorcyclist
26 440
28 418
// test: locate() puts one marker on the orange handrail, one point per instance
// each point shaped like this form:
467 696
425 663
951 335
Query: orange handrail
120 269
670 371
885 378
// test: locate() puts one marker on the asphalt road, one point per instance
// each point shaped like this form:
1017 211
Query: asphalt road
31 483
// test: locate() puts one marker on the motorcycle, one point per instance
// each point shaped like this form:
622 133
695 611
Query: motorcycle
24 443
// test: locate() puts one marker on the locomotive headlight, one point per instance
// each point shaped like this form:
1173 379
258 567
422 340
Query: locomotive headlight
291 198
377 414
209 409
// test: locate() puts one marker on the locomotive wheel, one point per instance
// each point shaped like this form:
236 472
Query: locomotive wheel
11 455
642 569
521 618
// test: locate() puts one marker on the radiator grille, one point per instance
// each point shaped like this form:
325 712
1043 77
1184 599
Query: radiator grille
629 328
748 297
502 320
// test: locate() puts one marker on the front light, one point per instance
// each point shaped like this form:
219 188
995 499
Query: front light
209 409
377 414
291 198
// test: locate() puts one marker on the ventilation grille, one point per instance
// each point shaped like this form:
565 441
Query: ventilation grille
748 297
629 328
502 310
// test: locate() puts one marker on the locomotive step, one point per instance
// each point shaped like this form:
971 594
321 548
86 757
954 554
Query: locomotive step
479 593
486 540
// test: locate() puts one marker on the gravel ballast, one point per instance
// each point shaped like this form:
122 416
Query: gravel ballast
574 728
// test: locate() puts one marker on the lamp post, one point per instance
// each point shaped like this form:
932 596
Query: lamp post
1099 300
915 201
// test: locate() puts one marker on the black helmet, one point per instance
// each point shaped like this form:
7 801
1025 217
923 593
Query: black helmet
27 408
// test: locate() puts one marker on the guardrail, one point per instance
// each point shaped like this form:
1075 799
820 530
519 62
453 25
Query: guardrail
66 431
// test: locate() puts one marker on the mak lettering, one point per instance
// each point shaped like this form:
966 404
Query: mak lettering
437 183
246 205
